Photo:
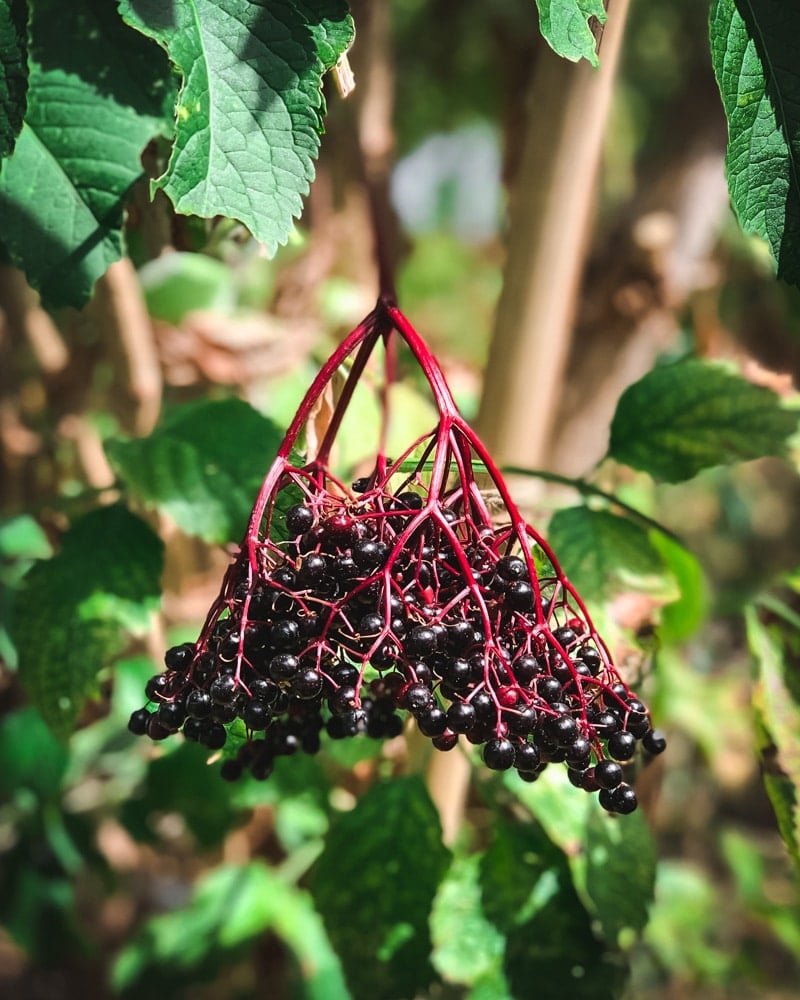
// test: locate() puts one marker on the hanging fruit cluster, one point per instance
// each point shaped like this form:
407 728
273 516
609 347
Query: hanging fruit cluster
348 607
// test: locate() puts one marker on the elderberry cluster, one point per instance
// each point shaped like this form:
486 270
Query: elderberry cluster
377 603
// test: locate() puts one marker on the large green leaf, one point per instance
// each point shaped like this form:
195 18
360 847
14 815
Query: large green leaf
776 702
602 552
96 97
754 51
467 948
72 611
565 26
230 908
529 895
13 71
687 416
250 110
202 465
30 756
374 885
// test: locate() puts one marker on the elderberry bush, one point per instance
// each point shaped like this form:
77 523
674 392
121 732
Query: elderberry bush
348 609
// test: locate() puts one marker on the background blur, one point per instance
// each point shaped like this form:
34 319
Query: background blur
101 841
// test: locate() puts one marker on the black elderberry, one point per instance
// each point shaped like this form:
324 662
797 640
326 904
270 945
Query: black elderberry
312 569
562 730
263 690
446 741
499 754
522 721
607 723
283 667
156 687
199 704
155 730
461 717
285 577
519 596
223 689
370 626
527 757
285 635
299 519
343 701
525 669
307 684
484 706
256 715
579 753
624 799
432 721
512 568
410 500
193 729
422 673
417 698
420 641
460 636
608 774
457 674
549 689
654 742
225 713
231 770
622 746
346 675
565 637
592 659
137 724
171 715
180 657
344 569
360 485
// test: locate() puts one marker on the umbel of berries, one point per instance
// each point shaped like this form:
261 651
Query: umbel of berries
348 607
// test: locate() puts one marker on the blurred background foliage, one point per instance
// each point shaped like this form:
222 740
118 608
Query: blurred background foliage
130 870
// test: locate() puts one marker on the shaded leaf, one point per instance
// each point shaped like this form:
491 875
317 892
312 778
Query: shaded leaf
250 110
374 885
529 895
681 618
202 465
687 416
777 708
753 48
230 908
620 871
602 552
30 756
96 97
565 26
13 71
72 612
466 947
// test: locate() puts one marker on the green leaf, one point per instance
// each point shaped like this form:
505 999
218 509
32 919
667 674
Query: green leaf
30 756
231 907
72 611
529 895
777 708
13 71
684 417
95 99
602 553
175 284
203 466
374 885
681 618
565 26
250 110
620 872
753 49
467 948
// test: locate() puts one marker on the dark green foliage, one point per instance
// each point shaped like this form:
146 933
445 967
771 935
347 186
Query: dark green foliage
72 611
374 885
13 71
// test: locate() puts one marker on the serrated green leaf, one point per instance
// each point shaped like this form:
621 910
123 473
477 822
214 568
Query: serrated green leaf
691 415
620 871
466 947
250 110
753 48
602 553
778 716
72 611
565 26
13 71
230 908
529 895
202 466
96 97
374 885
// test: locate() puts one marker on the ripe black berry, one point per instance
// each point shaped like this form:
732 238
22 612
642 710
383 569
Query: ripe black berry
461 717
199 704
299 519
622 746
137 724
498 754
256 715
654 742
180 657
608 774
